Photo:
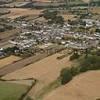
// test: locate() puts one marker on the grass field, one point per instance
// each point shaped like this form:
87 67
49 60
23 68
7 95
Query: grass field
10 91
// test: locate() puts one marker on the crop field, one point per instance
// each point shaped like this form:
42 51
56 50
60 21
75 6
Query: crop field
95 10
8 33
83 87
45 71
68 17
10 91
17 12
35 0
8 60
47 67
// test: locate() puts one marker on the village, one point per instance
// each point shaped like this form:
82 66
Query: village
38 35
49 49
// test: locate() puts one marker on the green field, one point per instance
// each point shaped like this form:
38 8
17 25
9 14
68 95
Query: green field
10 91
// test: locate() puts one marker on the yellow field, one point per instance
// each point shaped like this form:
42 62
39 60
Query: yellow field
47 67
95 10
8 60
68 17
35 0
83 87
45 71
17 12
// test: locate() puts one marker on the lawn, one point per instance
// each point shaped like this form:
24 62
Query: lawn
10 91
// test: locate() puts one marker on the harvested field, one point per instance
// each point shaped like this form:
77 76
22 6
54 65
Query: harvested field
17 12
45 71
86 1
83 87
35 0
68 17
45 67
8 33
95 10
22 82
8 60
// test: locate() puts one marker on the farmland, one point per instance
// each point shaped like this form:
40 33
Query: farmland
82 87
17 12
11 91
45 71
50 50
8 60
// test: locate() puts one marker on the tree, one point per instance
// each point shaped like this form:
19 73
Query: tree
49 14
59 20
65 75
52 17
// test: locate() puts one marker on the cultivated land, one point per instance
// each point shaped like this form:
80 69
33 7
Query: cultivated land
8 60
45 68
10 91
45 71
95 10
9 33
83 87
17 12
35 0
41 68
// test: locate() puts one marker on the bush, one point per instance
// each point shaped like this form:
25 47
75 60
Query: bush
74 56
74 71
92 62
28 98
66 76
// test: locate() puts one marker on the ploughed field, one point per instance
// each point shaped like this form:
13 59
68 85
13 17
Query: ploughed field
8 60
18 12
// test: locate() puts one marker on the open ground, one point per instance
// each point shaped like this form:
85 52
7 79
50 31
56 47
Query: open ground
45 71
17 12
83 87
8 60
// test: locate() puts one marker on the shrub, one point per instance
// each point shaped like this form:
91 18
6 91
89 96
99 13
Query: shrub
74 56
90 63
28 98
65 75
74 71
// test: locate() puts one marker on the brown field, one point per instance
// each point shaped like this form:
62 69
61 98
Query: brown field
86 1
68 17
45 71
22 82
95 10
8 33
83 87
35 0
8 60
17 12
47 67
